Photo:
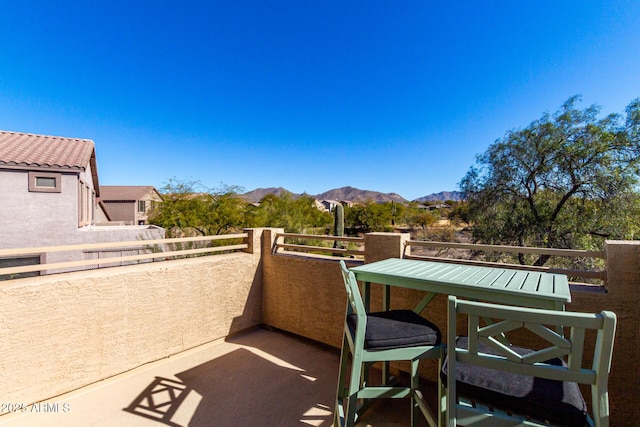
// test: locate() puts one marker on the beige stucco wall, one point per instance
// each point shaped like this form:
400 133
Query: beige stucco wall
305 297
61 332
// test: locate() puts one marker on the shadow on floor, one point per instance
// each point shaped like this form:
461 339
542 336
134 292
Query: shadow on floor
160 400
264 381
261 378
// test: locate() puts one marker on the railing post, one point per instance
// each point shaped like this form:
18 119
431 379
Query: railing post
269 238
253 240
623 268
379 246
623 298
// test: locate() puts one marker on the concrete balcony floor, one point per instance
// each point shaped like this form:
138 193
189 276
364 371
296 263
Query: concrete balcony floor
257 378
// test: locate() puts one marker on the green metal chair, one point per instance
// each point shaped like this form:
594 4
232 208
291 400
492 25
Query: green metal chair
490 382
381 337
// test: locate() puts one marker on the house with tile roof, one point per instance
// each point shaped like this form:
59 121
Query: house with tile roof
130 204
49 188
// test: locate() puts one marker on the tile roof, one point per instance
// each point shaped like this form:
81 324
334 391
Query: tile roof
42 151
124 192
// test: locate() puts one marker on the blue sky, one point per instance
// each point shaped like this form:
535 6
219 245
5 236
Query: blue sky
306 95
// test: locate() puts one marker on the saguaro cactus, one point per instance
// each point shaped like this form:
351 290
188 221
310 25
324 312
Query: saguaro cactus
338 220
338 224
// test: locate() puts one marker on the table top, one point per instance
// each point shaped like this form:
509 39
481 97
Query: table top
500 285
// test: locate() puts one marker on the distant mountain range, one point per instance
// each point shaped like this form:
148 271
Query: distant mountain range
257 194
442 196
355 195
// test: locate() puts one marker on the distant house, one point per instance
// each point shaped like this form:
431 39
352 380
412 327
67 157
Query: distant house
329 205
129 204
438 206
49 188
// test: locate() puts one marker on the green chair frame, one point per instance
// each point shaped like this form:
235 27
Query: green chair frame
544 324
356 396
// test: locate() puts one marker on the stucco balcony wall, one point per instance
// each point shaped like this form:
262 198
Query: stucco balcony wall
62 332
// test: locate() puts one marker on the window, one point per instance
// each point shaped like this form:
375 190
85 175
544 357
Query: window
46 181
141 206
42 182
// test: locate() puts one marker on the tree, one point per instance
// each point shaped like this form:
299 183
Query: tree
559 183
294 214
418 216
225 211
370 216
189 208
459 212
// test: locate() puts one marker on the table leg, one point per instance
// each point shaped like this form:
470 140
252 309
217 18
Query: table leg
386 297
366 296
559 306
386 306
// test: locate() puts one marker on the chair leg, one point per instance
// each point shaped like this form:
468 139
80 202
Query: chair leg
350 412
442 393
341 392
415 384
354 388
364 404
338 417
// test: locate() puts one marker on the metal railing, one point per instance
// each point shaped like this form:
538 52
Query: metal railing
600 275
297 243
101 255
147 250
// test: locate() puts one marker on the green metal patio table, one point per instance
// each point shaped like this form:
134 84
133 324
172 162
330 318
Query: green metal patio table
491 284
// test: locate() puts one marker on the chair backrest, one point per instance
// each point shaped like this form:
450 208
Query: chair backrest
355 304
544 324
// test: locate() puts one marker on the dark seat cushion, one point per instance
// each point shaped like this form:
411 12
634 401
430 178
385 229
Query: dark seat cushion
397 329
558 402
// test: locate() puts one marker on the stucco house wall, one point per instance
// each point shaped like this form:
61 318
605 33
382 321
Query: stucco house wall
37 219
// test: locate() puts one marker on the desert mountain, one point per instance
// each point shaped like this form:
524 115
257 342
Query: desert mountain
442 196
354 195
357 195
344 193
257 194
